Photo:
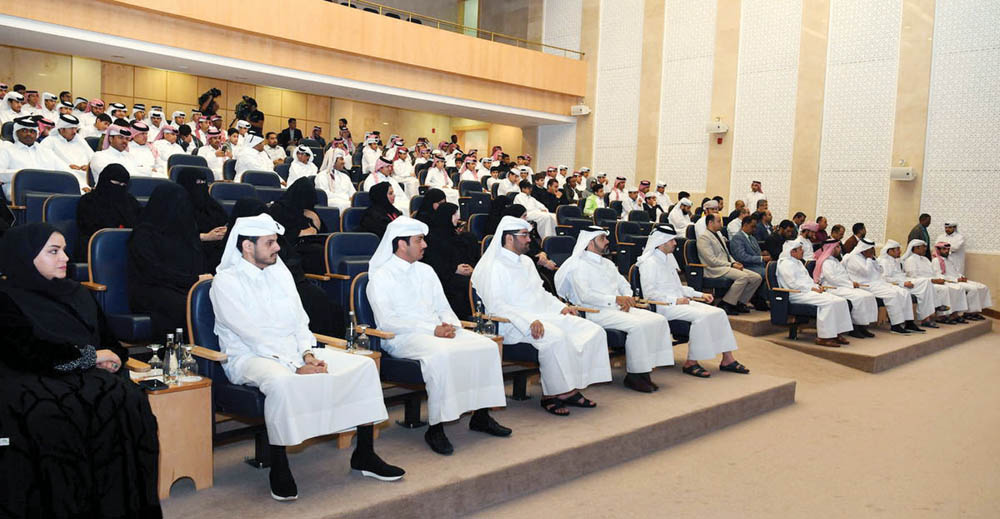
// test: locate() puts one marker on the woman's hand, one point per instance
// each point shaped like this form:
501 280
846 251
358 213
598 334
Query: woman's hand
464 270
214 235
108 361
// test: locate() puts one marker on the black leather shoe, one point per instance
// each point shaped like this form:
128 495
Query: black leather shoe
865 331
439 443
489 426
646 377
899 330
635 382
283 486
857 334
372 466
912 327
730 309
743 308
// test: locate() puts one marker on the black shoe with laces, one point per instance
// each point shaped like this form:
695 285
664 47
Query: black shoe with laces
899 330
489 426
372 466
438 441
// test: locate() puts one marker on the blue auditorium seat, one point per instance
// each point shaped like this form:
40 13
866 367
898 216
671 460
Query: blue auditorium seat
477 225
617 206
269 194
321 200
678 328
605 217
60 212
330 217
558 248
641 218
93 142
31 187
108 264
280 169
689 232
783 311
347 255
572 216
231 191
350 219
415 203
142 187
362 199
469 186
261 178
475 202
184 159
229 169
695 271
174 172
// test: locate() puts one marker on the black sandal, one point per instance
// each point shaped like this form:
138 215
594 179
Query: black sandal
577 400
735 367
553 405
695 370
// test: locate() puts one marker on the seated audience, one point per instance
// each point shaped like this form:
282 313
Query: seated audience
213 152
438 177
383 174
977 294
950 297
858 233
251 157
744 248
833 277
536 212
713 249
546 267
892 272
80 438
70 149
594 201
833 316
820 236
302 165
785 231
24 153
336 183
864 270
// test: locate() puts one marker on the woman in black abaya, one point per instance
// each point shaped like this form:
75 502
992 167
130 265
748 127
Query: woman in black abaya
209 215
109 205
453 255
433 198
378 215
82 438
295 210
165 259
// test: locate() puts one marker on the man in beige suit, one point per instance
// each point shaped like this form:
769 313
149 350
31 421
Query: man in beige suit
713 250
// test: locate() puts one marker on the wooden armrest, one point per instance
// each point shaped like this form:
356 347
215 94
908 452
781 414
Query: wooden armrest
344 277
863 285
630 244
641 305
205 353
375 332
584 309
652 302
702 265
137 365
788 290
15 207
319 277
828 288
699 299
468 324
96 287
330 341
496 318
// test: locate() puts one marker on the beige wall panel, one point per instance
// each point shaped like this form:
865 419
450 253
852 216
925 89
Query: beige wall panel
235 92
809 108
206 83
87 77
473 79
42 71
7 65
507 136
529 143
727 45
649 91
293 104
109 98
589 39
117 79
148 102
318 108
170 107
274 124
150 83
182 88
268 99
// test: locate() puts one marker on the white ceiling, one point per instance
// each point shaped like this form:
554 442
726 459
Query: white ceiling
32 34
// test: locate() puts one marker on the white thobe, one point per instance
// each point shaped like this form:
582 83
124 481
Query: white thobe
402 171
807 248
864 308
833 315
468 175
75 152
461 373
735 225
977 294
328 159
7 115
923 289
338 187
164 150
249 159
710 332
439 179
951 295
101 159
215 162
154 130
957 254
617 195
297 169
402 202
17 156
264 330
629 205
506 186
679 219
89 130
86 118
866 271
368 158
145 160
273 154
449 159
572 352
752 198
595 282
539 214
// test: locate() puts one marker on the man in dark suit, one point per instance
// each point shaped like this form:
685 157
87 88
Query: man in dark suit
776 241
919 232
290 135
859 232
764 227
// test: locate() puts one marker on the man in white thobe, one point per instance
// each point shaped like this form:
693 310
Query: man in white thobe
832 275
544 221
922 289
461 369
142 151
865 270
950 297
807 232
383 173
954 238
24 153
511 184
572 352
166 146
680 216
12 107
49 108
617 193
251 157
632 202
337 183
977 294
589 279
756 193
833 314
710 333
437 177
213 153
369 156
72 152
115 152
302 165
402 171
264 331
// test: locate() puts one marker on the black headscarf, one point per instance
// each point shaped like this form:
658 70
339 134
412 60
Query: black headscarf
378 215
207 211
379 194
426 211
108 205
441 224
165 247
287 211
515 210
244 207
60 310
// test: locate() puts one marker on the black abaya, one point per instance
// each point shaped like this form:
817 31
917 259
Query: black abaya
378 215
208 213
109 205
446 250
165 259
82 441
